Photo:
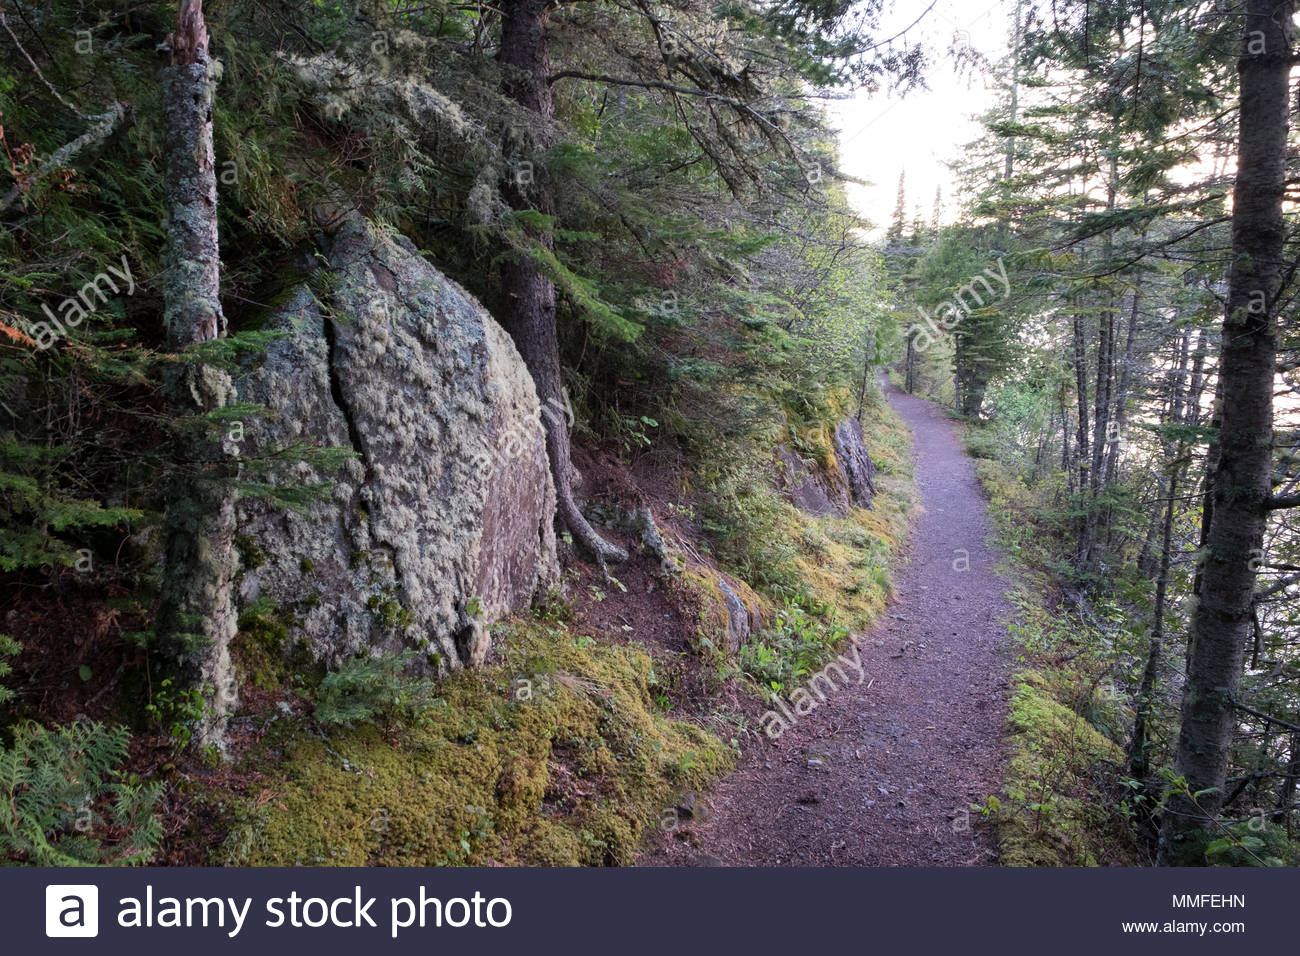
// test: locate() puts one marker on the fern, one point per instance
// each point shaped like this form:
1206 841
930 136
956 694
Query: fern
63 804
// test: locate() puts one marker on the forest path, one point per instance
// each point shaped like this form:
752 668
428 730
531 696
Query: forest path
883 772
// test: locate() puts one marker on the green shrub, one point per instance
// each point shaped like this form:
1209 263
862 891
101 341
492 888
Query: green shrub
793 647
63 804
984 443
750 526
375 690
1255 842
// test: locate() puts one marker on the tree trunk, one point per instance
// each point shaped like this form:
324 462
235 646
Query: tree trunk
1139 764
1139 747
1009 160
868 350
1125 378
1066 464
1101 437
196 618
1081 452
1286 793
1240 486
529 313
909 375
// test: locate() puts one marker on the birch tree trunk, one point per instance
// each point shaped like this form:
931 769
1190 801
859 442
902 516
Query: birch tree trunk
196 620
1240 484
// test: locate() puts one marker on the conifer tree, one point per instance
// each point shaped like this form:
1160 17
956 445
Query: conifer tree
899 222
197 618
1240 483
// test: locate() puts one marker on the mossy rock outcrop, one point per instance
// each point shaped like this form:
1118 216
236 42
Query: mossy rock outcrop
841 477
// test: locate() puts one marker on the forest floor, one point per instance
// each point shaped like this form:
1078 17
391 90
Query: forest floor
884 772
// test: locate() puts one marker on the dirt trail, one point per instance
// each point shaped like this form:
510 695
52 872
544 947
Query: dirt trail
882 773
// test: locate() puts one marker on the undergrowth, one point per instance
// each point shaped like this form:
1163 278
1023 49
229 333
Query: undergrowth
63 803
560 751
792 647
1065 804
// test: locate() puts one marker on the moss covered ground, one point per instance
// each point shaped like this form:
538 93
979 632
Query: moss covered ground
555 755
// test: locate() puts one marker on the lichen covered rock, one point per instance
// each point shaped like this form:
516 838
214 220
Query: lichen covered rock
810 488
739 623
443 522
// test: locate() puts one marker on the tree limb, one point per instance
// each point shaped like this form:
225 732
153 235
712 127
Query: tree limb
104 125
1269 717
1278 502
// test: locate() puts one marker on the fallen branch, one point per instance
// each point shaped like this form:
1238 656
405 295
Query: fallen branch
103 126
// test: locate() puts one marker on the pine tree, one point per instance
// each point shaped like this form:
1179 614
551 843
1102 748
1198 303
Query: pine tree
899 223
1240 482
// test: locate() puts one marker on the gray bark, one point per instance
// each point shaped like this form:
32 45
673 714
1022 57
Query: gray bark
1239 486
529 315
196 620
1139 747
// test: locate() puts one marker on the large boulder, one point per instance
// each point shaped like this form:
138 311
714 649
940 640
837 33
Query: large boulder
443 520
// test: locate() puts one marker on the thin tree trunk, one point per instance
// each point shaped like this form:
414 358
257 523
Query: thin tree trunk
1138 755
909 378
1196 390
1066 464
1240 487
1139 747
529 313
1045 431
868 350
1081 451
196 618
956 377
1286 792
1009 160
1125 378
1100 436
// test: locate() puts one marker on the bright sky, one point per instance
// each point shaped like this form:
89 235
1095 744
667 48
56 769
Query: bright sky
883 135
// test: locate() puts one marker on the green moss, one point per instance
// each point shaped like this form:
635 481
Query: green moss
305 565
845 561
251 556
1061 808
1052 817
262 648
390 612
556 756
699 590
